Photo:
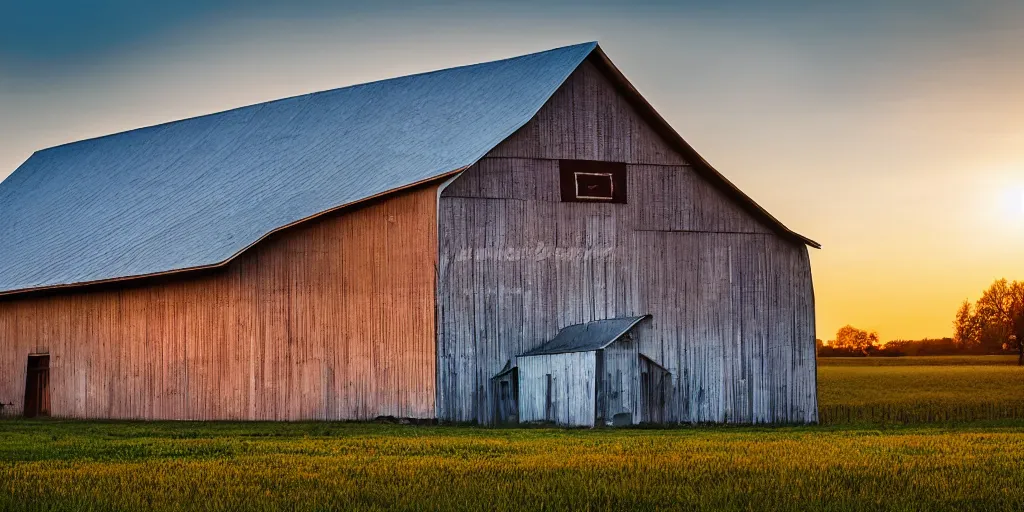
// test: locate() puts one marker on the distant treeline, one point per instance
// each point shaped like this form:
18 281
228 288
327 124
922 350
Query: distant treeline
925 347
992 325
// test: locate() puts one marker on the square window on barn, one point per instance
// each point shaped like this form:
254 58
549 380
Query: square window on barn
594 185
591 181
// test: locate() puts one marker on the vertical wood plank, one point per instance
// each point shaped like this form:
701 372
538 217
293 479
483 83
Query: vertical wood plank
333 319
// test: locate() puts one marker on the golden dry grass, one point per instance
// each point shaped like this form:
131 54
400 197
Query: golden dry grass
52 465
920 389
869 463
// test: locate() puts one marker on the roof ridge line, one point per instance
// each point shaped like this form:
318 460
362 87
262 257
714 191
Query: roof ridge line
313 93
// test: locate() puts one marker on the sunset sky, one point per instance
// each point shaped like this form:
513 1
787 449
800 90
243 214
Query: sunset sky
891 132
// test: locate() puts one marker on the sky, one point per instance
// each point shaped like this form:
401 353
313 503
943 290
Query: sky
890 132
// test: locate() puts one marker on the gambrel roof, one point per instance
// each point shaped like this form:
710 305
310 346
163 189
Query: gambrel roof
196 193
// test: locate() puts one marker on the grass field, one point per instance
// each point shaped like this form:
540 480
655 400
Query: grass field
920 389
52 465
862 461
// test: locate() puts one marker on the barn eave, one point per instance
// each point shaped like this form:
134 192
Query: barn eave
197 269
587 337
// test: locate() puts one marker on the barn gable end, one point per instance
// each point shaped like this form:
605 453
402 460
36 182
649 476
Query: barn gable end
730 295
587 119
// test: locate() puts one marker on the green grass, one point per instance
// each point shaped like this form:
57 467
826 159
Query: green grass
54 465
920 389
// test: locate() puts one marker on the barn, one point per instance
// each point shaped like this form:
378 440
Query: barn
519 240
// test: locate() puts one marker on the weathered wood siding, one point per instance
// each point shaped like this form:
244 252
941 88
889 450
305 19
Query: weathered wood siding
332 319
558 388
588 120
732 302
655 391
620 381
506 393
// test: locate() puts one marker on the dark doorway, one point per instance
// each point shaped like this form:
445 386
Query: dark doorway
506 395
37 386
655 386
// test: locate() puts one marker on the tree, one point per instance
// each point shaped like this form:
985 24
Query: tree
966 328
999 315
855 340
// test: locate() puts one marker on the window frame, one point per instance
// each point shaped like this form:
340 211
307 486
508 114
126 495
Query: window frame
570 170
611 185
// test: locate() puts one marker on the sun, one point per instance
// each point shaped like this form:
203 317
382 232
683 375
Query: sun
1014 202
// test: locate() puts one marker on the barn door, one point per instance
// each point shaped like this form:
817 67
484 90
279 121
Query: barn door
506 396
37 386
655 382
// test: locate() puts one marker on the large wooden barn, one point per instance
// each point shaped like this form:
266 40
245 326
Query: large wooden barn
520 240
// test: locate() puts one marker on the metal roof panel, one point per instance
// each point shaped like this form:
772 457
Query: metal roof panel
587 337
195 193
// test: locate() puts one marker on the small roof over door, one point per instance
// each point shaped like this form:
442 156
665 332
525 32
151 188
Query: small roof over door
587 337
